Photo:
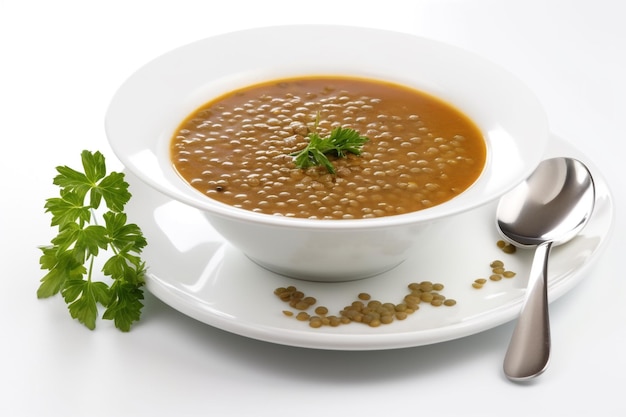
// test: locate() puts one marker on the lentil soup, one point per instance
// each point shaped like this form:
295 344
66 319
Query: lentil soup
420 151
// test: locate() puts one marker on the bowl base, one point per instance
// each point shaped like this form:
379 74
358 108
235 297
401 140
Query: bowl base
322 276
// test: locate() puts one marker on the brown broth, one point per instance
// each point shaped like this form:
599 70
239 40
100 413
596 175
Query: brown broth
421 151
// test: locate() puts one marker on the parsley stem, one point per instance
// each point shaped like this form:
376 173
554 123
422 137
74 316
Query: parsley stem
90 268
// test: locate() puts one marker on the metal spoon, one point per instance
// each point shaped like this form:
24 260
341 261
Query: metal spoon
548 209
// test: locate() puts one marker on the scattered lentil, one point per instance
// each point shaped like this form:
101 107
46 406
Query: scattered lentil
506 247
401 315
321 310
498 271
303 316
374 313
477 285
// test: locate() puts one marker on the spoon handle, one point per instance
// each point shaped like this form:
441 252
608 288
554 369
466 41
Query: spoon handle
529 350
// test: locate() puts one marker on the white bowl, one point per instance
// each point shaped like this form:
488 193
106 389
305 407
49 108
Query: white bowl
149 106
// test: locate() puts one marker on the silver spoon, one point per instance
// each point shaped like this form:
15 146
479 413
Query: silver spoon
548 209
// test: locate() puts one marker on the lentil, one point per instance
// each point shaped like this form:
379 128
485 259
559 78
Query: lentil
315 322
401 315
302 316
497 264
321 310
236 149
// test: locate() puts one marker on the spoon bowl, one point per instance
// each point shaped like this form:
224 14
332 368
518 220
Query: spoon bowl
549 208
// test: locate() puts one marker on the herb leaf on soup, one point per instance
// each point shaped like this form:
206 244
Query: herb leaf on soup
340 142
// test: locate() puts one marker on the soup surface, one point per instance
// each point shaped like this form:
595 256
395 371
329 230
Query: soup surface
238 149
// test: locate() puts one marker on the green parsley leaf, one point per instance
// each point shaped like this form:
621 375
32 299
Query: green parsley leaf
67 209
83 297
94 181
69 259
122 236
340 142
62 266
125 305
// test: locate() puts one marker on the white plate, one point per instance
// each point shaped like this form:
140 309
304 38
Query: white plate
192 269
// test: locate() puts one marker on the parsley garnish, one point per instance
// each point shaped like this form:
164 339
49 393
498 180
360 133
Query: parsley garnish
340 142
69 259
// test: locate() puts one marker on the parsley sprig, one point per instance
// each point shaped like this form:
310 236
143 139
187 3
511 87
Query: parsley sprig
70 258
340 142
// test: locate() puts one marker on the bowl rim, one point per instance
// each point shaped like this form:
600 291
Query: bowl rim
134 113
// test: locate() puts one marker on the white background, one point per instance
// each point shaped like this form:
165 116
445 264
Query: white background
61 62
